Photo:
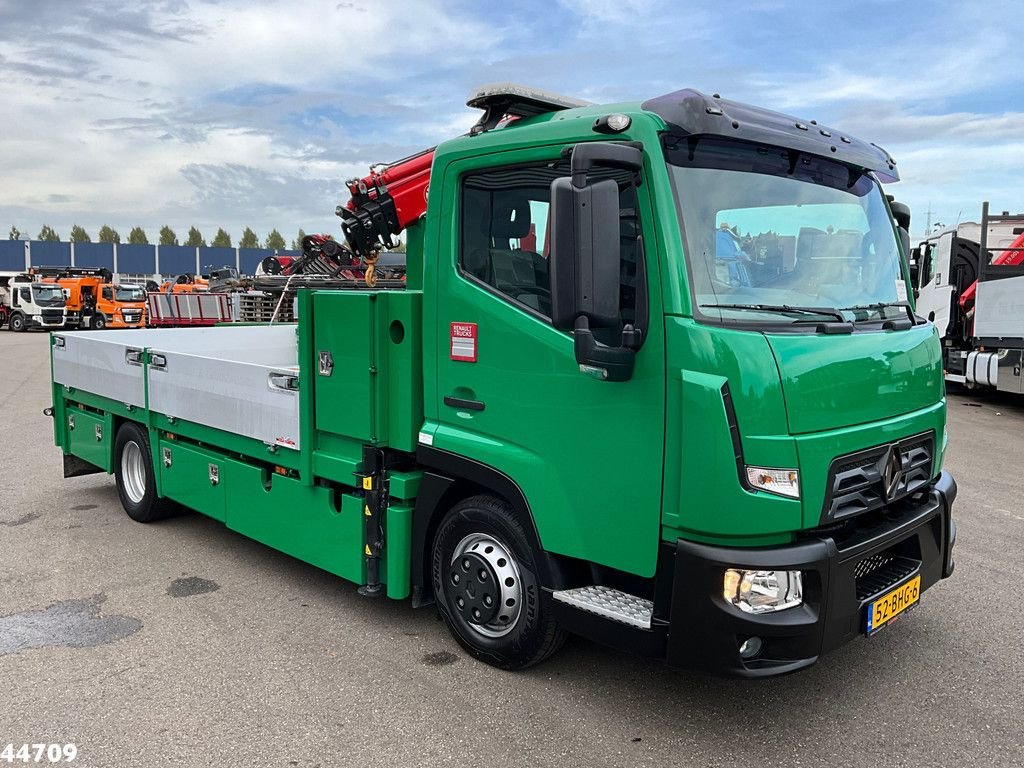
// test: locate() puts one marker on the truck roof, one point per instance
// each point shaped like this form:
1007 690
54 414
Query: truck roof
692 113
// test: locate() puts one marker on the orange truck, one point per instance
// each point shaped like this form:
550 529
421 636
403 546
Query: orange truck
185 284
95 301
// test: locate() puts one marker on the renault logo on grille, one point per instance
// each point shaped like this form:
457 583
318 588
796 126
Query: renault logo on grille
892 473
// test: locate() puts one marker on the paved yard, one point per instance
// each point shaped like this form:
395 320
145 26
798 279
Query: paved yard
193 646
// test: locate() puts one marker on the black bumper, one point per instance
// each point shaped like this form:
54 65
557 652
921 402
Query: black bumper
705 632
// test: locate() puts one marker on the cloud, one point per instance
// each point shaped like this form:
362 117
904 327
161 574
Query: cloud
236 113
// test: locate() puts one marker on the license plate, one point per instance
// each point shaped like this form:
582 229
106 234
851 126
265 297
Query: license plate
892 604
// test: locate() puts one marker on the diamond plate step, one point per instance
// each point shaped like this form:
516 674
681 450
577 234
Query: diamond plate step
611 603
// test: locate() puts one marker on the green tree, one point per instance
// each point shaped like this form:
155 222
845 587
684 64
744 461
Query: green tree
79 235
297 242
167 236
249 239
108 235
221 240
48 233
138 236
195 238
274 240
15 233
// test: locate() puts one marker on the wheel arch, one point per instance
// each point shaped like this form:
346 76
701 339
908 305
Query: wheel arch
449 478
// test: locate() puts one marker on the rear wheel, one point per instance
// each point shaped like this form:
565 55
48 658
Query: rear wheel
485 580
18 322
136 484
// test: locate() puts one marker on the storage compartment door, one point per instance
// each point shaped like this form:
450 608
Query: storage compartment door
314 524
193 477
89 437
344 339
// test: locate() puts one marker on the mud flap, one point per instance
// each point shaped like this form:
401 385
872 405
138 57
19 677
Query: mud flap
76 467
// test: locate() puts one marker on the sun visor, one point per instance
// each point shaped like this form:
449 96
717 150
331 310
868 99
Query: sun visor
696 114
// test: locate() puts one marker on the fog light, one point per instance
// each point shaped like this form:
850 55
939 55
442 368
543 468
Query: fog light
750 647
763 591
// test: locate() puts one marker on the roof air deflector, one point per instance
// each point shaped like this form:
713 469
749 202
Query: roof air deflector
500 99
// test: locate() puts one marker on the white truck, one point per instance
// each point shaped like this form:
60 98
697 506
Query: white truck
26 303
969 281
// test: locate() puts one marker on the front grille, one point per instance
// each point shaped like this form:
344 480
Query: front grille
879 573
52 314
862 482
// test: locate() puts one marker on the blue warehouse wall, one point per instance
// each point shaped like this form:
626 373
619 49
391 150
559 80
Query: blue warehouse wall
134 259
214 258
177 259
12 255
46 253
93 255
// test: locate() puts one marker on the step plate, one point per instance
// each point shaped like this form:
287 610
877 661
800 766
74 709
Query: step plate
609 603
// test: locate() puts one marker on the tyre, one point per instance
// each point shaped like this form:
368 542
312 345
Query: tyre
486 585
18 322
99 322
133 469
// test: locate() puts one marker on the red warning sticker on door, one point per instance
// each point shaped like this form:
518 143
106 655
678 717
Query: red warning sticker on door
464 342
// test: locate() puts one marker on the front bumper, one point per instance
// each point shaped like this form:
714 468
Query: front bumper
32 321
705 632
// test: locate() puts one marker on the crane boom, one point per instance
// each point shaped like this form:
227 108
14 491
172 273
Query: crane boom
393 196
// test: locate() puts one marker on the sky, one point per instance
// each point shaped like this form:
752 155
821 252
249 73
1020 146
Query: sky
236 113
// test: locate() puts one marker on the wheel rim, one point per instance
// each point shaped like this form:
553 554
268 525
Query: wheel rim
483 585
133 472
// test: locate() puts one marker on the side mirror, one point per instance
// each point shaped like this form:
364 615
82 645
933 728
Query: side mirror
585 258
901 212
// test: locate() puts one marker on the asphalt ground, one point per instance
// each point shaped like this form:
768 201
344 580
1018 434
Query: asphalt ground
182 643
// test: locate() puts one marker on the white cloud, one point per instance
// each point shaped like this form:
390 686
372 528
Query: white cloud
238 113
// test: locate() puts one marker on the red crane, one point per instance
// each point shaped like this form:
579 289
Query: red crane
1013 255
394 195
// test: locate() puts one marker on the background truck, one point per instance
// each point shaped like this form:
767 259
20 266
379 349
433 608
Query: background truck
26 303
94 301
577 413
970 282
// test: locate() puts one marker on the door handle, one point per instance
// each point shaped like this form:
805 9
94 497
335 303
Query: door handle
459 402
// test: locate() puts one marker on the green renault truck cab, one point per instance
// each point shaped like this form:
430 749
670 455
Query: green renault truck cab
663 387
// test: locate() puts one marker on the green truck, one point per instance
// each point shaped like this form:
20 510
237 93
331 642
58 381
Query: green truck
653 377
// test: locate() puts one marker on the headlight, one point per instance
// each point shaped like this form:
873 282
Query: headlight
763 591
784 482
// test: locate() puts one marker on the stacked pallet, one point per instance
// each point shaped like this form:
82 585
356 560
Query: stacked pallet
259 306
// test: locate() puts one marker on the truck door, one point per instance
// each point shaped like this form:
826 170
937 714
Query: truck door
586 453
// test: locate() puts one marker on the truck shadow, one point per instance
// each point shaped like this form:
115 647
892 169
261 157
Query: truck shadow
998 402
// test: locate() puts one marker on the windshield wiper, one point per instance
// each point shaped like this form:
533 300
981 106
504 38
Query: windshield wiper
783 309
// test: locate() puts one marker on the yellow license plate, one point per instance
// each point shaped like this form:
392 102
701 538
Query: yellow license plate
892 604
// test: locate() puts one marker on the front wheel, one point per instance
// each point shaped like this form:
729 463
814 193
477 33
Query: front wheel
136 484
486 585
99 322
18 322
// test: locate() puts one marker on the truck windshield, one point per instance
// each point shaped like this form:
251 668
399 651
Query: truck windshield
49 297
774 236
129 293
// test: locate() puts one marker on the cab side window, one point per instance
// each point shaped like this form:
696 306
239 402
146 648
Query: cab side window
927 265
505 243
26 295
